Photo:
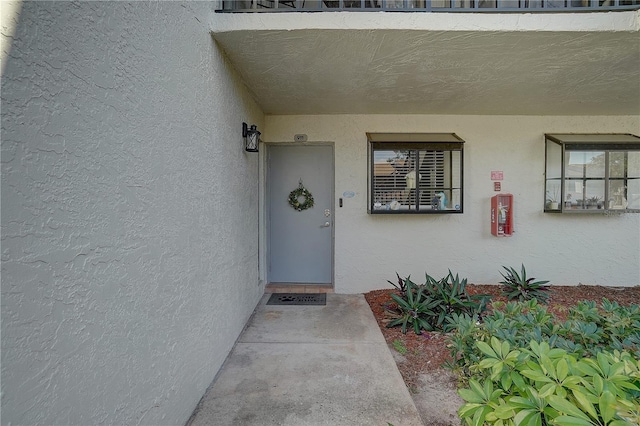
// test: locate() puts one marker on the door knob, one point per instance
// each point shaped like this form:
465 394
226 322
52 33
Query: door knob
326 225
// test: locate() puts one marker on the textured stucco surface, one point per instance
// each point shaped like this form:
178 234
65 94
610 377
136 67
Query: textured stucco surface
129 213
437 63
566 249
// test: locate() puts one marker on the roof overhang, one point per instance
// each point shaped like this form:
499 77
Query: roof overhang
427 63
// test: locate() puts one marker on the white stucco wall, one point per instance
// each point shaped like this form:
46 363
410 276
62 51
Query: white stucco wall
565 249
129 213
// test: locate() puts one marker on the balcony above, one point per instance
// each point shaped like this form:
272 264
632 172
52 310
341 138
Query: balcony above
436 63
428 5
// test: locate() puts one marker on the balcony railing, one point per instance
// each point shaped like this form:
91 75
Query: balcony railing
521 6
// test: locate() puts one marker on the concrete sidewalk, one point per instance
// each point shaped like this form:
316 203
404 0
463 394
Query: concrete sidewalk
309 365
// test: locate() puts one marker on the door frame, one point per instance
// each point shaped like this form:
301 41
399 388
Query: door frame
265 220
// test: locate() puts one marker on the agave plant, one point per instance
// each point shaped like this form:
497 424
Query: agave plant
518 286
452 298
413 309
401 286
429 306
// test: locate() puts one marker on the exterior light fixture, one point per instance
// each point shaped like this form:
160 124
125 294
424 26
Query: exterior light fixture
251 137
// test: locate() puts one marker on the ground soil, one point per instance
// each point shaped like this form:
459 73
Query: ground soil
421 362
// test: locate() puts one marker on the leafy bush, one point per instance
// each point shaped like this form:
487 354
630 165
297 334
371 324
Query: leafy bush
539 385
516 286
428 306
517 323
619 325
586 333
462 343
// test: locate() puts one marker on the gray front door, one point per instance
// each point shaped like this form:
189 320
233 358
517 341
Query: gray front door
300 243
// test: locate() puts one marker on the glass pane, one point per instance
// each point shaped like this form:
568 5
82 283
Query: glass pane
573 193
553 195
456 200
440 180
456 169
595 164
353 4
412 179
347 4
633 164
511 4
574 164
440 3
395 4
584 164
633 192
432 178
617 194
554 4
487 3
446 199
594 194
553 173
554 160
617 164
389 183
579 3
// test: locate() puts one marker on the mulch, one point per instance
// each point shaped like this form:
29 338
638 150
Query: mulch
428 351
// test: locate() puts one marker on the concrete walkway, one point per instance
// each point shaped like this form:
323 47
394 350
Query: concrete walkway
309 365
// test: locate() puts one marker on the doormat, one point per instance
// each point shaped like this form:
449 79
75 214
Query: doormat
297 299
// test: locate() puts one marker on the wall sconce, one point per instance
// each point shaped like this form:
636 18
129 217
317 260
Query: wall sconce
251 137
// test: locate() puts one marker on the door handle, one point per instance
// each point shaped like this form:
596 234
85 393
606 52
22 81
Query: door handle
326 225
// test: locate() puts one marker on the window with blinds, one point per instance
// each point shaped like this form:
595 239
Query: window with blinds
415 173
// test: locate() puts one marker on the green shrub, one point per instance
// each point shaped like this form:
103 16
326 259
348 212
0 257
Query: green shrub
620 326
453 299
517 323
587 331
413 308
429 306
540 385
516 286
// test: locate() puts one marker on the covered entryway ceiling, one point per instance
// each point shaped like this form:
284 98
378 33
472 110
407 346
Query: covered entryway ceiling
389 71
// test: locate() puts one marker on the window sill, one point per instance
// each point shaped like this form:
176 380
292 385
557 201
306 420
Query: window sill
593 211
406 212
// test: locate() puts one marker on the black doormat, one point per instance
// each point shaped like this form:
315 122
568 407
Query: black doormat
297 299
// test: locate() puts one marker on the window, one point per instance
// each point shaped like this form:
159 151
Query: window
591 173
415 173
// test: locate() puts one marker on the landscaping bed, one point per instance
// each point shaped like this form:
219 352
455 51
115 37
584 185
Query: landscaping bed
420 358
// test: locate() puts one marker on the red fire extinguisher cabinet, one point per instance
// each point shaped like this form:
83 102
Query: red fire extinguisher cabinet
502 215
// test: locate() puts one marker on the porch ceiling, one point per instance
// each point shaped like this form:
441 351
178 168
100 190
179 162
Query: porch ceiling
388 71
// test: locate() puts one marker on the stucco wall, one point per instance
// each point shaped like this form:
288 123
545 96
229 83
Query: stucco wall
565 249
129 213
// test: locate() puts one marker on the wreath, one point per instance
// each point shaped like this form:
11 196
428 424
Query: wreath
294 198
